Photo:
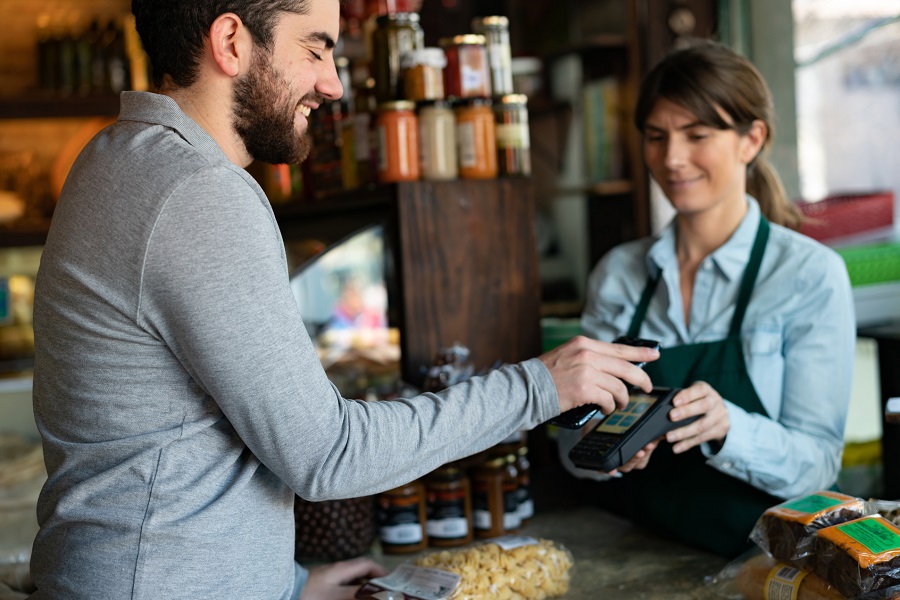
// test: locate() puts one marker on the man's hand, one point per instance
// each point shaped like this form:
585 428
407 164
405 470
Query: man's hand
337 581
589 371
713 425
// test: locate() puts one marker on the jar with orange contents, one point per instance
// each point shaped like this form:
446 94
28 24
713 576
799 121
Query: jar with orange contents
476 139
398 142
400 514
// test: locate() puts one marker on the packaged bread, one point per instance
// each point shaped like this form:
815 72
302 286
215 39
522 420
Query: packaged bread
506 568
788 531
764 578
860 556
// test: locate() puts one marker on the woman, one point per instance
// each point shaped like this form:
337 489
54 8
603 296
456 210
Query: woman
755 320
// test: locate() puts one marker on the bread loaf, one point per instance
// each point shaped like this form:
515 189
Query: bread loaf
787 531
859 556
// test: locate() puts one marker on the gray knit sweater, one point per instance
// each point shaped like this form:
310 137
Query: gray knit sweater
180 400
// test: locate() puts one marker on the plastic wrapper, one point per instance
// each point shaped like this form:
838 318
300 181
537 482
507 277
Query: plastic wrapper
757 576
763 577
787 531
860 557
506 568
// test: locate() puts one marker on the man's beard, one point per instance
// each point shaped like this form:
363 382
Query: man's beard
264 117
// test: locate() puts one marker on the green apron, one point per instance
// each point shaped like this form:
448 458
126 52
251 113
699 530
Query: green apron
681 494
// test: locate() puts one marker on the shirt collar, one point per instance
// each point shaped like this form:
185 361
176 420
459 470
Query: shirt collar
162 110
730 258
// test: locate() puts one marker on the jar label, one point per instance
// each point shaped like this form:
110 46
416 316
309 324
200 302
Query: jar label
465 138
399 524
526 504
481 519
513 135
450 528
407 533
511 519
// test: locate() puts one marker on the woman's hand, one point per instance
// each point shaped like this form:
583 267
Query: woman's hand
589 371
713 425
639 460
339 581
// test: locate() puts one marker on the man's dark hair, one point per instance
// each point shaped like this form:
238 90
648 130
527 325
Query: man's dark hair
172 31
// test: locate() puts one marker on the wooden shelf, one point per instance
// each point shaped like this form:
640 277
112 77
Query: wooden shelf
32 236
614 187
594 43
37 106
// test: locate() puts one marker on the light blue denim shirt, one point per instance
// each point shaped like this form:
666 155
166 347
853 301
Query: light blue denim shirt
798 336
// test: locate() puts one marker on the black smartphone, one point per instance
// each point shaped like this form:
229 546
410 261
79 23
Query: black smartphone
579 416
625 431
634 341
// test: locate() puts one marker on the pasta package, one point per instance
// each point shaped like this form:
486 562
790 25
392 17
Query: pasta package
506 568
860 556
788 531
763 577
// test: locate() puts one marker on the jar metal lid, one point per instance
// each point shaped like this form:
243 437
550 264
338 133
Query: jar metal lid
470 102
513 99
397 105
398 17
463 40
494 463
430 57
494 21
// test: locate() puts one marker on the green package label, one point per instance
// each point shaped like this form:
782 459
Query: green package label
873 534
4 301
811 504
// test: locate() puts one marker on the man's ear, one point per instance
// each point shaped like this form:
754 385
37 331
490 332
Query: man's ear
230 43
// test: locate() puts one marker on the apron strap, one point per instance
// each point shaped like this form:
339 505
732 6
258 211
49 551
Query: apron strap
641 310
750 273
746 289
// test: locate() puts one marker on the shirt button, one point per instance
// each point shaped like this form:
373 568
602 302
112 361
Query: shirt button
707 265
727 464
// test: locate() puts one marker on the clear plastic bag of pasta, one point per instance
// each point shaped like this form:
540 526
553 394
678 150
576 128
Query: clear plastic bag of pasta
506 568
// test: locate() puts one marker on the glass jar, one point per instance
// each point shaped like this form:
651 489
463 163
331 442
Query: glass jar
448 507
495 502
467 74
423 74
400 514
513 135
526 503
476 140
398 142
394 35
437 142
496 35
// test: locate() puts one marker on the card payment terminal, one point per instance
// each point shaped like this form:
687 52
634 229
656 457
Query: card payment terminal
624 432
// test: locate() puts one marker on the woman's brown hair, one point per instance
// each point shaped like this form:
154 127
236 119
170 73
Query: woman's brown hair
706 76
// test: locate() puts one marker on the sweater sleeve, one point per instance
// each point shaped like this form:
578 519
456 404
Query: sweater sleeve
215 289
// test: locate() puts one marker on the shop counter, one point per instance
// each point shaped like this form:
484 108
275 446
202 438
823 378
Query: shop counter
616 559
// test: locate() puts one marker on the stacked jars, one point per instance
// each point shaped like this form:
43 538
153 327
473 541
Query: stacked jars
484 496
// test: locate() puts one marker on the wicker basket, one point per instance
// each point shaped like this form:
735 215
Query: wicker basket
334 529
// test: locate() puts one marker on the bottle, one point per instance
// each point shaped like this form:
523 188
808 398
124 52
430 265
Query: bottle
513 137
437 141
398 142
476 139
495 503
400 515
448 507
